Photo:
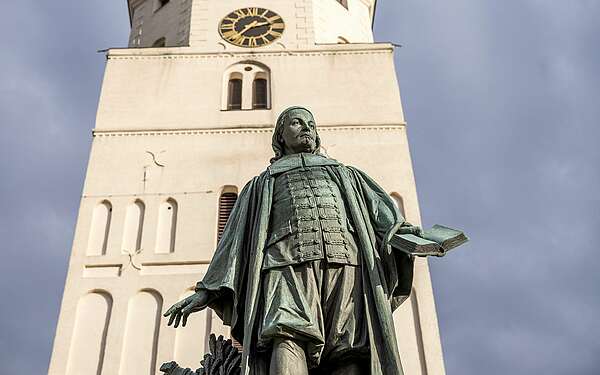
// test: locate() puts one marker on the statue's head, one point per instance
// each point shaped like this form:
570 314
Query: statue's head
295 132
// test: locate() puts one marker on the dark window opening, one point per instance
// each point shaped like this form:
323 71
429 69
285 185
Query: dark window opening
344 3
234 94
162 3
259 94
226 203
161 42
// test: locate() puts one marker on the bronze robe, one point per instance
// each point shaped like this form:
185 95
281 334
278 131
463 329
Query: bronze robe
234 275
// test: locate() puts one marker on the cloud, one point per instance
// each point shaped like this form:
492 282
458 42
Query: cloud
49 83
500 94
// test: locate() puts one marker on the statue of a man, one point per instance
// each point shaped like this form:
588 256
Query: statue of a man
304 273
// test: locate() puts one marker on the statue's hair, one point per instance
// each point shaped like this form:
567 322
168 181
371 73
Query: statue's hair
277 142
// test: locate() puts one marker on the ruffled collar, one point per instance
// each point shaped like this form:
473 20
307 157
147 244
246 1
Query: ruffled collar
289 162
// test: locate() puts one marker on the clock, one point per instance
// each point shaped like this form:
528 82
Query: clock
251 27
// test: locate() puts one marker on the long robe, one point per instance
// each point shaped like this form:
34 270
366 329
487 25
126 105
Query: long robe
234 275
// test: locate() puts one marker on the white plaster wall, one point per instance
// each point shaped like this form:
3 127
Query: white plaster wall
332 20
342 84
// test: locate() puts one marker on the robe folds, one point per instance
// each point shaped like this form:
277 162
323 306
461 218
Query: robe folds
234 275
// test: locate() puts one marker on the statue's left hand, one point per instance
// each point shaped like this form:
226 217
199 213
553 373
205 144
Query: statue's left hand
410 229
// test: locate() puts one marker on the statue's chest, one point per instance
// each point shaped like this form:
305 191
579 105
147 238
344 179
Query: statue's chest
307 188
308 219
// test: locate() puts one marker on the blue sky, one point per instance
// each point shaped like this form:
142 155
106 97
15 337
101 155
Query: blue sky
503 103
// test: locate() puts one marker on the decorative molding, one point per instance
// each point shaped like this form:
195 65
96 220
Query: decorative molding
136 195
188 53
257 130
93 271
230 55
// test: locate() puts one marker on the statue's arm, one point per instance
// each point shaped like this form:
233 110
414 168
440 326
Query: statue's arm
224 266
408 228
381 206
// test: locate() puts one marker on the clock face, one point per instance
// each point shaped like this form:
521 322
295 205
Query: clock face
251 27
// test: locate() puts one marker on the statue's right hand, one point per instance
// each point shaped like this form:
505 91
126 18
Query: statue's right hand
180 311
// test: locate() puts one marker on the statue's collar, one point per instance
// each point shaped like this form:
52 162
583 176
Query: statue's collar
294 161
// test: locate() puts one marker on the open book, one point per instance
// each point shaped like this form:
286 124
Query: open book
436 241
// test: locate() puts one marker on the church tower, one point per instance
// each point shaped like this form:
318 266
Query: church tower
185 119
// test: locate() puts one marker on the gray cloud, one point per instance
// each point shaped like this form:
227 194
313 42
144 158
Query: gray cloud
49 83
501 94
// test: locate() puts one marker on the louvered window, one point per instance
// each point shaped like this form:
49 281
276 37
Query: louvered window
237 345
226 203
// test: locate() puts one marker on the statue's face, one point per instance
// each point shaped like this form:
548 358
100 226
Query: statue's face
299 133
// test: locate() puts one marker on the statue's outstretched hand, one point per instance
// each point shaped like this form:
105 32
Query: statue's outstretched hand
408 228
180 311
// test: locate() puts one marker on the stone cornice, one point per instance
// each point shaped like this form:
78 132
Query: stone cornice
245 130
196 53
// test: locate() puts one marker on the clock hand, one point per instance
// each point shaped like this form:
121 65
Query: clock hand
248 27
262 24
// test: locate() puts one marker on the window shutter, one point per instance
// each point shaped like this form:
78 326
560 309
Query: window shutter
259 97
234 97
226 203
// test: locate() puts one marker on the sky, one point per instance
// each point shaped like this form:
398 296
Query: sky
502 100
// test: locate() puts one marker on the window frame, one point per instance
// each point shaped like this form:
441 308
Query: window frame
231 106
248 72
265 93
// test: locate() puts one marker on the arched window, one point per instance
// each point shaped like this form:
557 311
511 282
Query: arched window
167 227
226 202
194 339
140 338
161 42
246 86
399 201
259 94
234 93
134 224
99 229
88 344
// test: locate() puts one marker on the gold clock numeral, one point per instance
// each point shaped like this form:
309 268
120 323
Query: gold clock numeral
237 38
229 34
251 27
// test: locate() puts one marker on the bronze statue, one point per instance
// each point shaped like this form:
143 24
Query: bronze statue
305 274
